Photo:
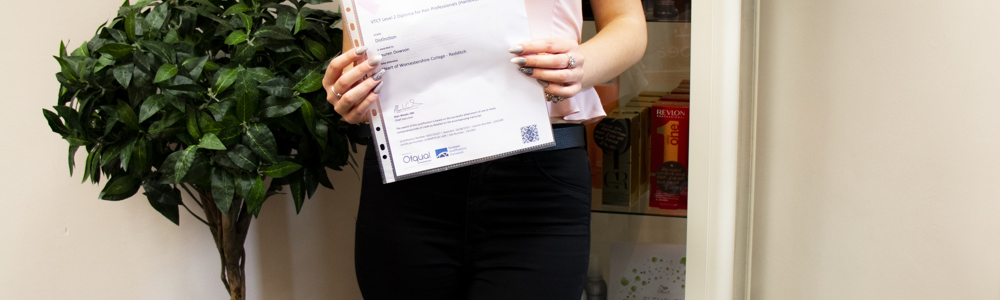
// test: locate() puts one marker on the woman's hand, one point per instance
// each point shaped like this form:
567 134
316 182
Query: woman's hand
353 92
556 63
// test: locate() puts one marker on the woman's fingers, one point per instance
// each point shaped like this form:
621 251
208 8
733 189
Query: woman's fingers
553 61
561 90
339 63
356 74
559 76
359 113
545 46
351 98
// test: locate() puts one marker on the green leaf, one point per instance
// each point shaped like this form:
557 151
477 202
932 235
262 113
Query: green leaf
282 110
192 123
171 212
316 49
126 153
67 70
260 140
280 169
111 153
311 83
184 161
297 190
244 53
278 87
72 158
130 27
247 21
308 115
223 188
151 106
194 66
243 157
127 115
219 109
247 99
236 37
140 159
158 16
285 20
120 187
69 115
259 74
300 23
123 74
62 49
235 9
274 32
211 141
162 50
162 193
255 199
212 66
172 37
118 35
226 79
165 72
55 123
81 51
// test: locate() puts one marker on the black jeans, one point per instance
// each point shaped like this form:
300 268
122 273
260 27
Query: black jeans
513 228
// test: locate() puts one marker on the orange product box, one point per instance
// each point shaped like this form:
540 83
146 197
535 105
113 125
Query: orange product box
669 128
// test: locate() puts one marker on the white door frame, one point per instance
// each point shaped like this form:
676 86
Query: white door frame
723 111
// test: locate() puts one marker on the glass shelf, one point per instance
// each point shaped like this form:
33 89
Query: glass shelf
640 208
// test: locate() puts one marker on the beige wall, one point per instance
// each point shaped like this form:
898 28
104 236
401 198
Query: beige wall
58 241
878 169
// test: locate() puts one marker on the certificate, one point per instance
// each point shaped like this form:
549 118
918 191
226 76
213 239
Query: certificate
450 96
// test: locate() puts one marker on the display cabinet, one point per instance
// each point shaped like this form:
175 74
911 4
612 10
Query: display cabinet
711 43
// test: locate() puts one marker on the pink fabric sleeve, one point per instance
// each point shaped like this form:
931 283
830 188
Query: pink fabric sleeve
564 19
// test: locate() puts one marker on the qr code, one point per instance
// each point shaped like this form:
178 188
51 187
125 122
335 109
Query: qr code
529 134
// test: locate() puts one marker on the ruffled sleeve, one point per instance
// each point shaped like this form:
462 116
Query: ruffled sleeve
583 108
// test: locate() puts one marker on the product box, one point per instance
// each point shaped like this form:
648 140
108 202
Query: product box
620 141
642 109
647 271
608 92
669 128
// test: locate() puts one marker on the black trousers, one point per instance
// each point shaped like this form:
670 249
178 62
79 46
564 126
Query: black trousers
513 228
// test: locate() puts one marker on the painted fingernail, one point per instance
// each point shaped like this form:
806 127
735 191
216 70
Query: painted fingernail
378 76
375 61
378 88
544 83
360 50
527 71
516 49
520 61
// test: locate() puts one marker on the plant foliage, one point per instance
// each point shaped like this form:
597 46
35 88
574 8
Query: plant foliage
217 95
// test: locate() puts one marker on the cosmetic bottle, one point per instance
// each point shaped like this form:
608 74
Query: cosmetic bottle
596 288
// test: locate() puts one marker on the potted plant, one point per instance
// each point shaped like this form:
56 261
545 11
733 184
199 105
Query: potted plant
219 98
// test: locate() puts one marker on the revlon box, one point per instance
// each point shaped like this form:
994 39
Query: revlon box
669 128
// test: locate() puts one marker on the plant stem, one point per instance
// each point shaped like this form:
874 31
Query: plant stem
192 195
195 216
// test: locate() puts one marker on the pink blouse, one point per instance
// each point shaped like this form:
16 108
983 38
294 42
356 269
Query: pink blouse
564 19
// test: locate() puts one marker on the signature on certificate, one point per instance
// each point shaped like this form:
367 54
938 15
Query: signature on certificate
407 106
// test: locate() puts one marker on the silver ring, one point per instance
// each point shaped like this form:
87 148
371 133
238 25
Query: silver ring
553 98
335 93
572 61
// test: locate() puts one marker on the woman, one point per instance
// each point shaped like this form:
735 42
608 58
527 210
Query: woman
513 228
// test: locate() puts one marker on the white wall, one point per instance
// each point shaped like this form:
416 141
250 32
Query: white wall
878 170
58 241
